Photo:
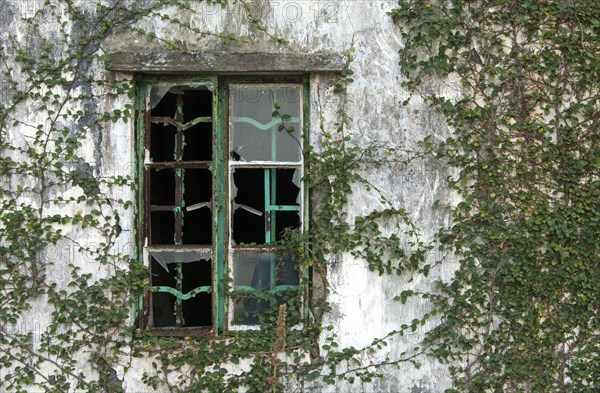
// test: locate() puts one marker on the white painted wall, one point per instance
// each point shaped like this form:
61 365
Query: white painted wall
361 300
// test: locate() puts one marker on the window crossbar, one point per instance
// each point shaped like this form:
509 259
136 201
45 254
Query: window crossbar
276 289
182 296
180 126
270 126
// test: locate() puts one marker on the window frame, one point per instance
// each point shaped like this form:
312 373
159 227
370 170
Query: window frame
221 247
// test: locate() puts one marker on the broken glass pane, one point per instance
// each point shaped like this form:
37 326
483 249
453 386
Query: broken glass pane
165 257
288 186
247 206
163 304
256 134
161 274
197 220
162 102
160 93
194 117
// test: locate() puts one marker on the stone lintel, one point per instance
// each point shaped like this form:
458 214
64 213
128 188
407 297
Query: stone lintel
224 62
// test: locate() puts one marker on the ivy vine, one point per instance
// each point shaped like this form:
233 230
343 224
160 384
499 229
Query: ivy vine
53 200
521 312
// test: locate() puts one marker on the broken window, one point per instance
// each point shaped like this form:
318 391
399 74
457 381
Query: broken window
265 169
222 168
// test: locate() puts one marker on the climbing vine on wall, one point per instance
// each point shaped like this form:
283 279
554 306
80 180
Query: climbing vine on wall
64 253
521 313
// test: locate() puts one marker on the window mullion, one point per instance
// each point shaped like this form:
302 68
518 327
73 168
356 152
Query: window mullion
221 202
179 203
271 198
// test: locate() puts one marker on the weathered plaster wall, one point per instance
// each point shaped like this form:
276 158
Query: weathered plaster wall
361 300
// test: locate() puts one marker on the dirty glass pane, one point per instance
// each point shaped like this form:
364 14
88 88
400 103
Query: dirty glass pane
286 271
252 279
255 134
251 270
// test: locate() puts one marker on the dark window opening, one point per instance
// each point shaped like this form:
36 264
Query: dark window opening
248 228
162 187
198 138
162 277
180 208
197 219
198 143
166 107
163 309
288 191
285 221
248 206
197 103
196 228
162 227
197 311
163 142
162 135
163 304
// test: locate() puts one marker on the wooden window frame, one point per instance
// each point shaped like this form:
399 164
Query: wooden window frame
221 166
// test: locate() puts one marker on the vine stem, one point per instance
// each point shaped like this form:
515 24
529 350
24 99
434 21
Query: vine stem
39 356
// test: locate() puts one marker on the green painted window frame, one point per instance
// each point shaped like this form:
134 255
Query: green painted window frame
220 169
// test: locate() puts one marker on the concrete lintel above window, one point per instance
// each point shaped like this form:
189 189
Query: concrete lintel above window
219 62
